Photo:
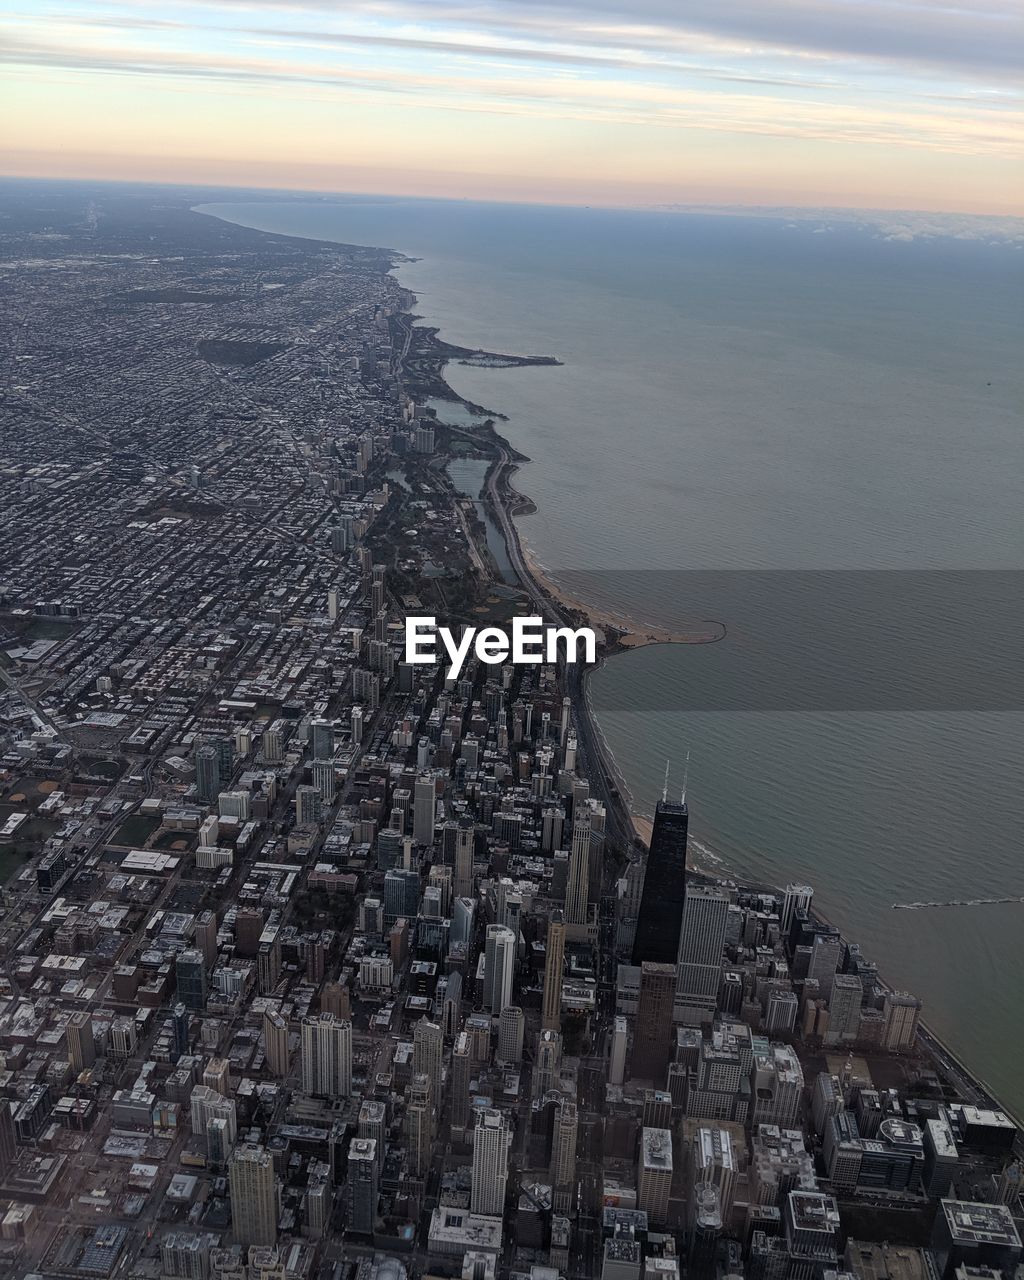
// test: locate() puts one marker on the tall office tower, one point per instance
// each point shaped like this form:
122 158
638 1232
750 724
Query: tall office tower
701 941
81 1044
902 1014
219 1141
563 1157
206 936
617 1053
334 998
657 1112
309 806
511 1030
1010 1183
780 1012
275 1042
378 588
268 962
464 839
423 809
180 1023
401 895
563 728
248 930
652 1042
463 913
797 897
361 1186
356 724
826 953
661 905
272 744
462 1074
492 1140
8 1141
499 967
373 1123
207 774
714 1161
419 1125
548 1065
321 739
253 1191
217 1076
577 885
326 1056
844 1009
427 1056
325 780
190 976
654 1177
554 964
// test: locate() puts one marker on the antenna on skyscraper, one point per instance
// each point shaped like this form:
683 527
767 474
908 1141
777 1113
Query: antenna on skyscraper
664 789
686 774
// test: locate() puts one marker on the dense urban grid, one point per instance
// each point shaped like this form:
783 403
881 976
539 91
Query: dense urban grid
315 966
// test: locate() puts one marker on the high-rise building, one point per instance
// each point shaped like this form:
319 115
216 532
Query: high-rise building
321 739
462 1072
419 1125
902 1014
844 1009
701 940
8 1141
427 1056
206 936
548 1065
654 1177
81 1044
563 1157
617 1055
499 967
361 1185
554 963
652 1042
423 810
326 1056
207 774
797 897
492 1140
577 887
464 840
190 976
275 1042
511 1030
253 1191
308 806
661 905
325 780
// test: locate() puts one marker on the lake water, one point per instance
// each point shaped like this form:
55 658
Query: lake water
746 394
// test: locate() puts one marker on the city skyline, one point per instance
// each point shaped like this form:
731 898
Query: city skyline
810 103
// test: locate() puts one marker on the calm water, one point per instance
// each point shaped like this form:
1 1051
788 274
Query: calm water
742 394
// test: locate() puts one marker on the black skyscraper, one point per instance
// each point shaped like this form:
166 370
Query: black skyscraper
661 907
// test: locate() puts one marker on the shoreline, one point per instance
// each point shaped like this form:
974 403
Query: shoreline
506 502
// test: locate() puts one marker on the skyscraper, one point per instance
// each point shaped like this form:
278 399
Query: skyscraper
492 1140
547 1068
554 962
254 1208
81 1044
511 1029
275 1042
190 975
463 880
428 1047
652 1044
563 1156
701 940
499 962
326 1056
424 805
661 906
361 1187
577 885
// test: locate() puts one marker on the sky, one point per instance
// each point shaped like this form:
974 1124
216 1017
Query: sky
883 104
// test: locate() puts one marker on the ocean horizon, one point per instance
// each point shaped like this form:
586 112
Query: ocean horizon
785 396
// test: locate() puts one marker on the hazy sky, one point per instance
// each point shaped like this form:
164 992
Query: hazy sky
874 103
